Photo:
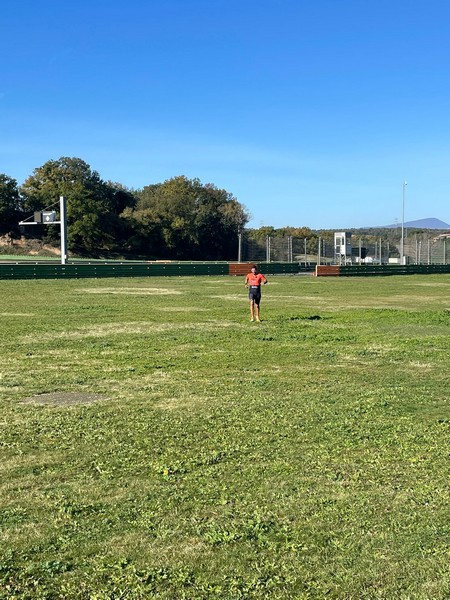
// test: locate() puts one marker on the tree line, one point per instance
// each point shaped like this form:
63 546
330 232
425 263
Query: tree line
180 218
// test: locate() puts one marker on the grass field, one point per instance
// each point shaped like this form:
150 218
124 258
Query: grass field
156 444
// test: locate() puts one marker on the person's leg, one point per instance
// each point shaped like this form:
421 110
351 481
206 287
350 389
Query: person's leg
257 311
252 310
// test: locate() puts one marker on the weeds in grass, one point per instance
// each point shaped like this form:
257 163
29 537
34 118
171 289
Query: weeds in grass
306 458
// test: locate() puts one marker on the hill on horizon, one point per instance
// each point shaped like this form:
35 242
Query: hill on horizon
429 223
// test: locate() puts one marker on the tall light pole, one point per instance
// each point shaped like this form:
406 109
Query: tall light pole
402 253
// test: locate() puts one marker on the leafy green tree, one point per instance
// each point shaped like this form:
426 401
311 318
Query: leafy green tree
9 204
123 197
142 234
173 207
190 220
93 206
219 220
262 232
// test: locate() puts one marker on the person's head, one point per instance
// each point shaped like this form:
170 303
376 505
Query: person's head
254 269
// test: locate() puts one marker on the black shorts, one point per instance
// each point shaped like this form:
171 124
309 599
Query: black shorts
254 293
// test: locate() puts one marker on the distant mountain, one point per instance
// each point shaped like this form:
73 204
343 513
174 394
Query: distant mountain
430 223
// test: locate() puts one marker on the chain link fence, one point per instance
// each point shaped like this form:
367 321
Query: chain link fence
421 249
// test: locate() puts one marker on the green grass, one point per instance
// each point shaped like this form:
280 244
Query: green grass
305 457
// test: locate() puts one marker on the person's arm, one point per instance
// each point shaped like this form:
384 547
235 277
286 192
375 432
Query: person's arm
246 281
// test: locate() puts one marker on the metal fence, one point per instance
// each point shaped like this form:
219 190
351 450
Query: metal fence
285 249
420 249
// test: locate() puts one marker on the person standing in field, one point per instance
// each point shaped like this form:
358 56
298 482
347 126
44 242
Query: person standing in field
253 281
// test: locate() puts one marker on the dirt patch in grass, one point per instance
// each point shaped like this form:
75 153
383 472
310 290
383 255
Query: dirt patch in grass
13 314
148 291
182 309
242 296
129 328
433 284
64 398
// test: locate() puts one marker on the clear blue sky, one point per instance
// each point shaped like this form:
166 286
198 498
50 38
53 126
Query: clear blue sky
310 112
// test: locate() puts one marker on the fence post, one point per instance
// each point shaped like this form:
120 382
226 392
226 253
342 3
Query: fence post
63 230
268 249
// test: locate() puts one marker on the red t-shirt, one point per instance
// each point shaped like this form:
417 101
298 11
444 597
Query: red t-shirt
255 280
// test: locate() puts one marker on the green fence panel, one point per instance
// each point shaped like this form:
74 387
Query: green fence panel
384 270
281 267
101 270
